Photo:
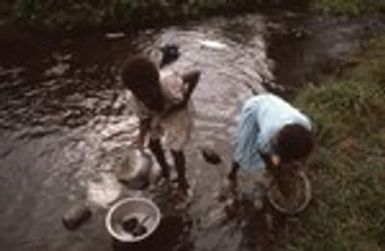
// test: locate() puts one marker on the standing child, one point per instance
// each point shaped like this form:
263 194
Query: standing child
271 133
162 103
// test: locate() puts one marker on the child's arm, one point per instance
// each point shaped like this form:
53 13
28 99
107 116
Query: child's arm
233 173
232 178
190 80
271 161
144 129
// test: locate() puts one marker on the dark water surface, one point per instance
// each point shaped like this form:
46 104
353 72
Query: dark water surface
65 122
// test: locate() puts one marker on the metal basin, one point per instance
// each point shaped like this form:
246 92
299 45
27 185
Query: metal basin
143 210
135 169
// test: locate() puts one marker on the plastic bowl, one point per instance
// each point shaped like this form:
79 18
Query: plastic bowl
144 210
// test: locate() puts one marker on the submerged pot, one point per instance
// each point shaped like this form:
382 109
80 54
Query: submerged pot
135 169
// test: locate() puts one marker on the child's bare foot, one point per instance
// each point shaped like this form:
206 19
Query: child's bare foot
183 195
161 179
183 186
165 174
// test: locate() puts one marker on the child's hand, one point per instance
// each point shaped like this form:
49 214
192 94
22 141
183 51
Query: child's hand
144 128
275 160
272 161
190 80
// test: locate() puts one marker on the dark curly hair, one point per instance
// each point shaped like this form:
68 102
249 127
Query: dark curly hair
294 142
139 72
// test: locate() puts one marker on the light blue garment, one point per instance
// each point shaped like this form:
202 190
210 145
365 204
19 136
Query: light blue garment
261 118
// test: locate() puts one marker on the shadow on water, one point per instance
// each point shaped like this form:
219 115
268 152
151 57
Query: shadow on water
65 121
172 234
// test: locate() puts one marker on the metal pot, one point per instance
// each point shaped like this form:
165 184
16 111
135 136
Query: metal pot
135 169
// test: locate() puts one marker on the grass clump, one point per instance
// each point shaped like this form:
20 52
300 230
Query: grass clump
73 13
348 7
348 166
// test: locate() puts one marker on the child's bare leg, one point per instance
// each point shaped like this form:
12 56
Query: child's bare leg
180 166
156 148
233 173
234 170
233 176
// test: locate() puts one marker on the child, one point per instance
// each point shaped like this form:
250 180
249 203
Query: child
270 134
162 103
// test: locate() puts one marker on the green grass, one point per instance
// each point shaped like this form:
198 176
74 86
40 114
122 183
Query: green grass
74 14
347 168
348 7
86 13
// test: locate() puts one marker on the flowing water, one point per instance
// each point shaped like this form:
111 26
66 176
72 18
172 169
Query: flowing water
65 122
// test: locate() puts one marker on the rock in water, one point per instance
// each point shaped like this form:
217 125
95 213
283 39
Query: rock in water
130 224
170 53
76 216
139 230
211 156
134 227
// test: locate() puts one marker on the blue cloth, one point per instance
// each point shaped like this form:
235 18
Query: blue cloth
261 118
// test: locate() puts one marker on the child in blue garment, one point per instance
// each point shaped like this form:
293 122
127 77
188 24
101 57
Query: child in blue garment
271 134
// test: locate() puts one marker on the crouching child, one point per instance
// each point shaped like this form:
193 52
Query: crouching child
272 135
